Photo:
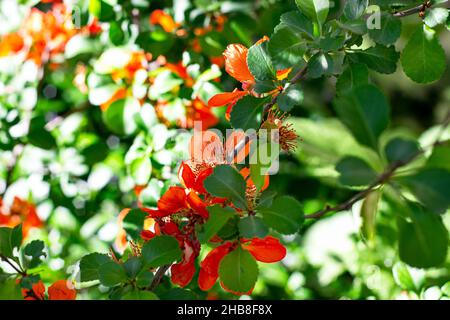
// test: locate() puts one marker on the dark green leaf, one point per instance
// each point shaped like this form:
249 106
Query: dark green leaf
286 48
298 22
320 64
161 250
355 9
259 62
284 215
226 182
291 97
355 75
355 172
218 217
423 240
111 274
90 264
246 113
431 187
389 32
251 227
399 149
423 58
379 58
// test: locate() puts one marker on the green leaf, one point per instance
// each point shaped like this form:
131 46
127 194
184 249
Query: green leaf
178 294
111 274
291 97
161 250
116 34
356 75
320 64
5 242
298 22
355 172
251 227
316 10
286 48
9 290
163 83
284 215
368 214
423 58
404 278
218 217
132 267
399 149
144 278
226 182
263 158
212 44
259 62
238 271
435 17
139 295
355 9
440 157
422 240
133 223
246 113
431 186
365 111
35 250
389 31
379 58
90 264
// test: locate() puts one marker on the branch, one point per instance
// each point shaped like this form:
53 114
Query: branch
158 276
296 78
4 258
420 8
382 178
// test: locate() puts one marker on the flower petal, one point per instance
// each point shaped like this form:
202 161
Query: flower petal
197 204
61 291
222 99
266 250
209 267
173 200
236 63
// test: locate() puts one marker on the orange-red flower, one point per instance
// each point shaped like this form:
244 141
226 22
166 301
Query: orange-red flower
237 67
61 291
266 250
20 211
175 200
37 292
159 17
11 43
183 272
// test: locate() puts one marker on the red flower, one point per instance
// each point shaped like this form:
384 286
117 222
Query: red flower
21 211
209 267
183 272
266 250
164 20
37 292
175 200
61 291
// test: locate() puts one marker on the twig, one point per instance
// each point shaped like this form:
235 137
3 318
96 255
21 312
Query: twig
297 77
383 178
4 258
158 276
420 8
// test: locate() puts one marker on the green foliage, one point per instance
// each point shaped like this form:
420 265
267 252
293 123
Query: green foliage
160 251
285 215
238 271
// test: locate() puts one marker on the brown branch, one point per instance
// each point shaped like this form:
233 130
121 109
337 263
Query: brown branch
382 178
158 276
420 8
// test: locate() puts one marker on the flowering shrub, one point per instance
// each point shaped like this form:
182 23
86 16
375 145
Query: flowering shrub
121 177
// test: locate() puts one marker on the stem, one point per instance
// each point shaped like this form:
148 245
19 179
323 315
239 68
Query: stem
382 178
297 77
158 276
19 271
420 8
